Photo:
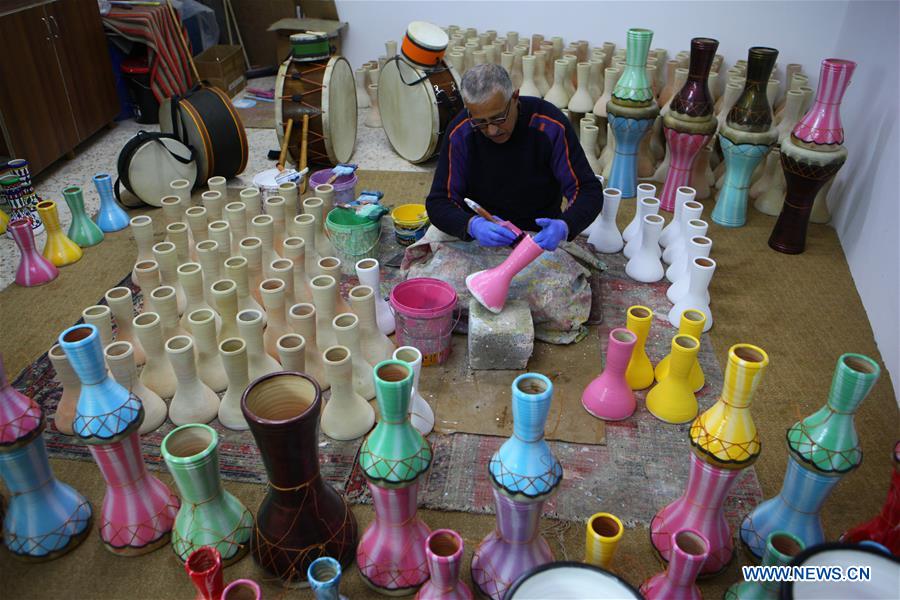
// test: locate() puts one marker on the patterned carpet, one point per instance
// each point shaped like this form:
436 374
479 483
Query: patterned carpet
642 466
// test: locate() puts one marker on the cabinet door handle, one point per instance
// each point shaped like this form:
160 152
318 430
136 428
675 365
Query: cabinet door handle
47 25
55 26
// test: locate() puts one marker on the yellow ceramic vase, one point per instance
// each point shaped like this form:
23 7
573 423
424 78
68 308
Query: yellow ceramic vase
639 373
725 434
673 400
692 322
604 531
4 221
58 249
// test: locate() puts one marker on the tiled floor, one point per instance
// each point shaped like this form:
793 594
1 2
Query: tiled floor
99 154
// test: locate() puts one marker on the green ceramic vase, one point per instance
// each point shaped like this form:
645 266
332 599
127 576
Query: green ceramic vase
633 87
209 515
827 440
752 111
394 453
781 548
83 231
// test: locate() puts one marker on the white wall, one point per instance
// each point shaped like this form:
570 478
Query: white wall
865 194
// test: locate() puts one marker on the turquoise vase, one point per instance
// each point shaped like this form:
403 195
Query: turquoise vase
82 230
394 453
740 162
781 548
324 576
111 216
209 515
106 412
628 133
524 464
633 87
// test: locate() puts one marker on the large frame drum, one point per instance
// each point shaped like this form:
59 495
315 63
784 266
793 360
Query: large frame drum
325 90
416 106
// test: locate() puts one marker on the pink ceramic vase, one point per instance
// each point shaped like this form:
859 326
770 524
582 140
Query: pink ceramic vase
444 549
678 582
490 287
138 509
21 419
821 127
683 149
391 553
699 508
242 589
609 396
33 269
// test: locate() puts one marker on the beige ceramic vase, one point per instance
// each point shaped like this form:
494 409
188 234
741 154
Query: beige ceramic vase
220 232
347 415
147 279
292 352
166 257
331 265
71 389
120 358
316 207
263 227
121 304
236 215
252 199
100 316
305 228
295 250
209 365
325 191
251 249
193 402
179 234
283 270
250 329
225 300
274 206
191 278
375 346
346 329
157 373
302 318
273 293
236 271
164 301
197 220
213 201
291 194
324 290
142 230
233 352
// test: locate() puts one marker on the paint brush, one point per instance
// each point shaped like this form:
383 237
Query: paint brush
483 213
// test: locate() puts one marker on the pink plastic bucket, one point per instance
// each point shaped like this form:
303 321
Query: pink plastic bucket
423 311
344 186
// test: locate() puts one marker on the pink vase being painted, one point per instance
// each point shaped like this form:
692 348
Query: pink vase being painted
444 549
678 582
821 128
608 396
33 269
490 287
391 553
683 149
700 508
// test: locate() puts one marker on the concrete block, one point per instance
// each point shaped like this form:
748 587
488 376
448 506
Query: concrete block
500 341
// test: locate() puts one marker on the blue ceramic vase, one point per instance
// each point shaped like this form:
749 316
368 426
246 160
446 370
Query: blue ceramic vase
111 216
628 133
740 162
45 517
524 466
106 412
324 576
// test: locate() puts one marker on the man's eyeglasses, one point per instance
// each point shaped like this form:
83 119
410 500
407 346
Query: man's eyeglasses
482 124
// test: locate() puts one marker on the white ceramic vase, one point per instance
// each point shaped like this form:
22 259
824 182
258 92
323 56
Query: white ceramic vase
305 228
691 229
697 296
644 190
558 95
167 259
210 265
589 135
250 329
604 236
529 85
236 270
220 232
121 304
142 230
690 211
191 278
421 414
292 352
316 207
673 229
646 207
251 249
697 247
645 265
368 270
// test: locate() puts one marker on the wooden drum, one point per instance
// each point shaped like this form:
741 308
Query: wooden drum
416 106
325 90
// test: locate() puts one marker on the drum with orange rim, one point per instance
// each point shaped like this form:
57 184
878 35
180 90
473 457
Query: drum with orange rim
416 106
424 44
325 90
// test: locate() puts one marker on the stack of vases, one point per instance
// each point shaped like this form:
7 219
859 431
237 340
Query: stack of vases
631 112
524 474
391 556
301 518
45 518
811 156
822 448
724 441
138 509
745 138
689 123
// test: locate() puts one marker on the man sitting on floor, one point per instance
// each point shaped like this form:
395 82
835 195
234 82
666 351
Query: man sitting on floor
517 158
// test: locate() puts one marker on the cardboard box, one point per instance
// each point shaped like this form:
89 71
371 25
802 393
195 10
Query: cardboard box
223 67
254 18
284 28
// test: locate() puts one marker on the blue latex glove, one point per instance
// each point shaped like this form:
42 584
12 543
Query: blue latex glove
489 233
552 232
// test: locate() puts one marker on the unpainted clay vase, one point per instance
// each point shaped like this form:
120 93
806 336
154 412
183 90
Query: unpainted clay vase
142 230
191 278
209 365
236 270
251 249
273 291
164 300
100 316
121 304
71 385
375 345
421 414
295 251
302 318
347 415
233 353
324 290
167 259
120 358
347 332
250 329
193 401
368 270
292 352
157 373
225 299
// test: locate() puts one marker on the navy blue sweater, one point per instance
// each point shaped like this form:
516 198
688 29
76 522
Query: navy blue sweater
520 180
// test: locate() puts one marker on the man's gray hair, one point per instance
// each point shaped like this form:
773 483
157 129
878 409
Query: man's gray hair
483 81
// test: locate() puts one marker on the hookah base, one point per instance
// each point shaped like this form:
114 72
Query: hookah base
73 543
140 550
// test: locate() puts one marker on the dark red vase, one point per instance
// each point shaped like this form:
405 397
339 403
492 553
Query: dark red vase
885 528
301 518
204 567
694 99
752 112
805 172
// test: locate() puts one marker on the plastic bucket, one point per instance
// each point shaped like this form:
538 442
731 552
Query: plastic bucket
423 311
410 223
353 237
344 186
